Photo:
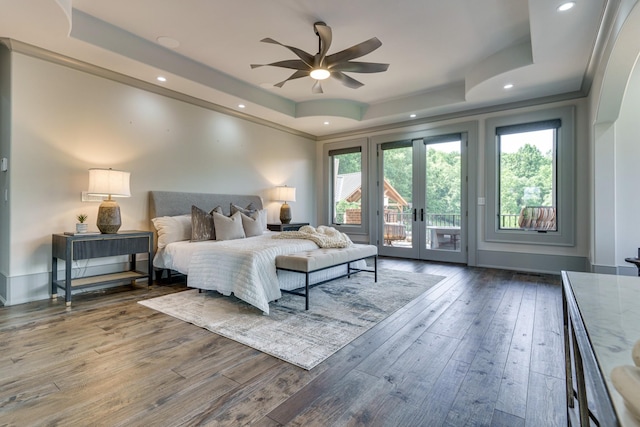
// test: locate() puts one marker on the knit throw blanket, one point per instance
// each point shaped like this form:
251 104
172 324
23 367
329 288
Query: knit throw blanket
324 237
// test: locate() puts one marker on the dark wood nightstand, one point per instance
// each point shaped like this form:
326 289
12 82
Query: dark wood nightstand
79 246
293 226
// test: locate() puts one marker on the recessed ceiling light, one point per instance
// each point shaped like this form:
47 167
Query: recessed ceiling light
161 79
241 105
508 86
326 123
168 42
566 6
412 115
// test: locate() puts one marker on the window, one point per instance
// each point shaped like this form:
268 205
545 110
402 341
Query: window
527 176
347 186
346 180
530 178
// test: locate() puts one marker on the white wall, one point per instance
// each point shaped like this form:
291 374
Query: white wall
627 173
66 121
613 142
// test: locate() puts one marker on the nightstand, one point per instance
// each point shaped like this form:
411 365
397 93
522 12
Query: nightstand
79 246
293 226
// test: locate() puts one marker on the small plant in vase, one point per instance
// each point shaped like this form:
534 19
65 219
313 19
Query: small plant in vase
81 226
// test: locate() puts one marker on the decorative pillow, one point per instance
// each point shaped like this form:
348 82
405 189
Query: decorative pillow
228 227
172 229
247 211
202 224
252 226
262 215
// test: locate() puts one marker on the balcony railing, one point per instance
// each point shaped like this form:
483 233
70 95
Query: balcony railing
437 220
507 221
445 219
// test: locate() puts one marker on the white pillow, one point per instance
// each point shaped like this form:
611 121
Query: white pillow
262 215
172 229
228 227
252 226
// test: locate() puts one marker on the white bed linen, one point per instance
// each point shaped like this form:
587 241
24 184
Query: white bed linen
244 267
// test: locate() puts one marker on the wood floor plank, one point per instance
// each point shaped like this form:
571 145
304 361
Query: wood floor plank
546 403
492 295
455 355
415 374
548 345
464 311
479 392
255 399
512 398
351 391
503 419
436 405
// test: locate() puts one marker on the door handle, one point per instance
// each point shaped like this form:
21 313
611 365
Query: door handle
415 214
422 215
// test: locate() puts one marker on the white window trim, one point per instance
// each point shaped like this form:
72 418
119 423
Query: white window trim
566 200
363 227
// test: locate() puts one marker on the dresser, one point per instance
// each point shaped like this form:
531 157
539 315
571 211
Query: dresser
601 325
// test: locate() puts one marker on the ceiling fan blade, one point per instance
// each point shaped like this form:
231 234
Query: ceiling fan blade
324 32
360 67
317 87
304 56
346 80
296 75
353 52
294 64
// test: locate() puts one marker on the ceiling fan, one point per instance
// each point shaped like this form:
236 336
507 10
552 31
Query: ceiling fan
320 66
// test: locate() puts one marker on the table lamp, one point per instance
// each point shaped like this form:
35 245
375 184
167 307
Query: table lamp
285 194
109 183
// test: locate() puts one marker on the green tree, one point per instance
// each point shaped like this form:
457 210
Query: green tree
349 163
525 179
398 171
443 184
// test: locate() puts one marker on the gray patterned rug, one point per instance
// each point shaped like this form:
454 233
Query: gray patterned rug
339 312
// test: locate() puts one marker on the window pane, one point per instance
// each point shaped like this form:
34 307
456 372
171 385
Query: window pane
397 170
347 188
527 180
443 194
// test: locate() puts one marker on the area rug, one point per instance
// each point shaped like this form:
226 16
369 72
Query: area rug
339 312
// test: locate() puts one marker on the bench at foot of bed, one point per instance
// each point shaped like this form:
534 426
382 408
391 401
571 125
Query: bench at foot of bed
308 262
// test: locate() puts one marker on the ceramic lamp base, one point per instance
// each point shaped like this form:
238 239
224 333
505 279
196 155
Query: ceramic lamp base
285 214
109 221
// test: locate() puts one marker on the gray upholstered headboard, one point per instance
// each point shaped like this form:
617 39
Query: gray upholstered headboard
171 203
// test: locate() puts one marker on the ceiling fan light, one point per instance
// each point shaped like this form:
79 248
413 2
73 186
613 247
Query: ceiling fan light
319 74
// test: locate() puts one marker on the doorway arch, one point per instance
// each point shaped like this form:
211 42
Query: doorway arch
606 102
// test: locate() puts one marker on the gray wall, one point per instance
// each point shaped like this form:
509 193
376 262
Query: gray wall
515 256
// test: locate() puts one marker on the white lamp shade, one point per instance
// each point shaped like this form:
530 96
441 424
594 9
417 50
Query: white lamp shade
286 194
109 182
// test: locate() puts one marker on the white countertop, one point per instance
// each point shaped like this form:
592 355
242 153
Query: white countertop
610 309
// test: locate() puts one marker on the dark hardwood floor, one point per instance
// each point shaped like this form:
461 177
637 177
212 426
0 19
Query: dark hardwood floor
483 347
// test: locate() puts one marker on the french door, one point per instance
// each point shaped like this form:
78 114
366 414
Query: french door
422 212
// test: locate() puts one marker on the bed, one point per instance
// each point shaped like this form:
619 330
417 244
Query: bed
244 267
